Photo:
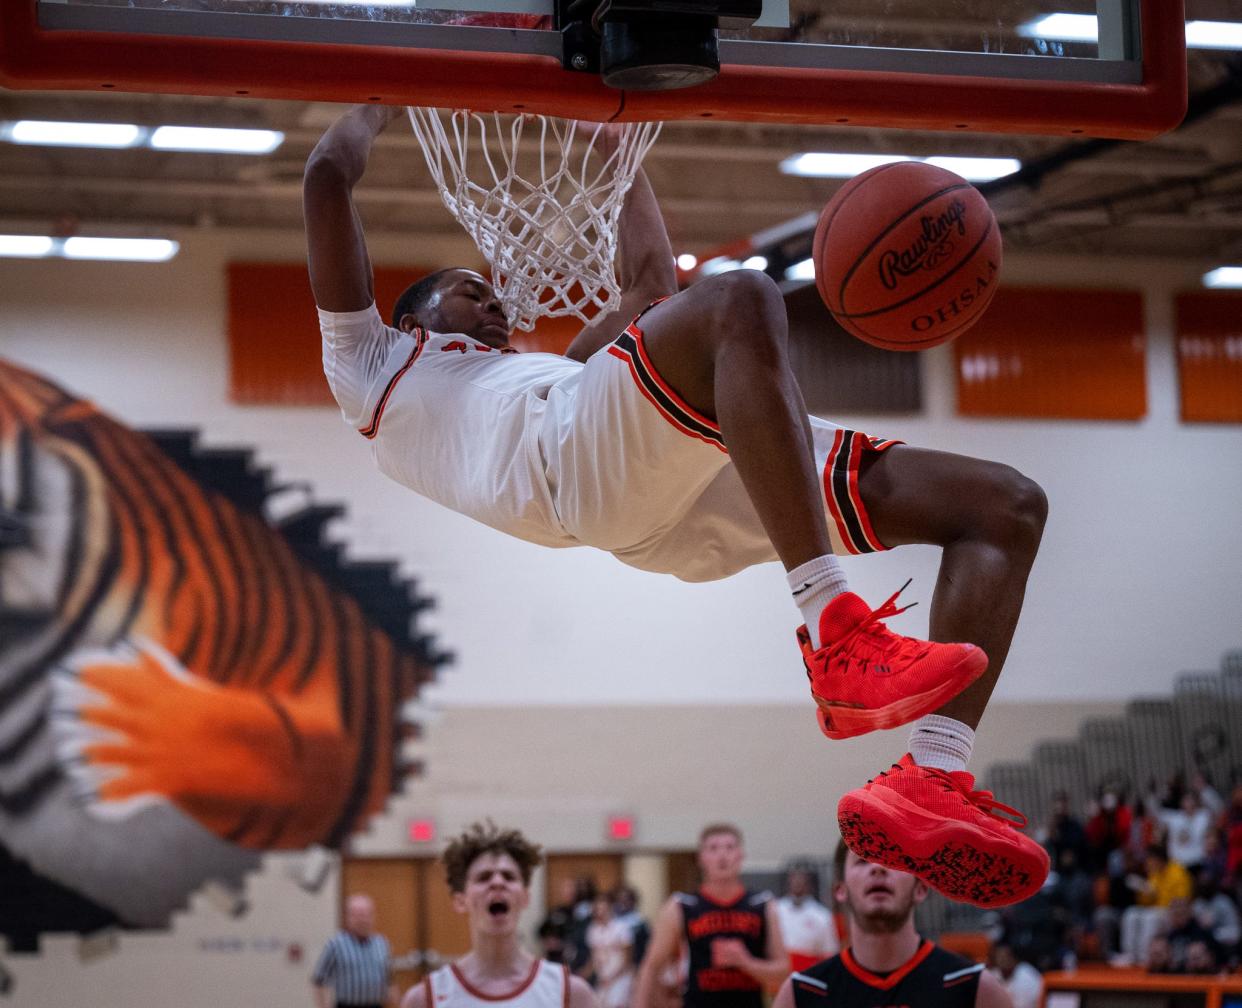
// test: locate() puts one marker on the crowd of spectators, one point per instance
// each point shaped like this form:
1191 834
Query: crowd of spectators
1152 882
601 937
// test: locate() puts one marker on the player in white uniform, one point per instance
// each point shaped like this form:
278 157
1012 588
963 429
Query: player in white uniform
488 871
621 445
807 925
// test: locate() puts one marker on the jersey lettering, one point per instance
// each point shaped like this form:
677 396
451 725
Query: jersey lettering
704 922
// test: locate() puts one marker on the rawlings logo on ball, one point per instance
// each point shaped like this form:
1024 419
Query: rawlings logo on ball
931 248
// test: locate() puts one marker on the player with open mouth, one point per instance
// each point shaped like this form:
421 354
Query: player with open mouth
488 870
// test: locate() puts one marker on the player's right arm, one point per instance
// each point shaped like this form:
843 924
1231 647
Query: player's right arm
784 997
340 269
664 948
990 993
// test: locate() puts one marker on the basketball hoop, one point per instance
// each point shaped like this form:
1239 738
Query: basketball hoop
544 214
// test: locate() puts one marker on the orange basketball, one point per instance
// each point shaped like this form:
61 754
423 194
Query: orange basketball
907 255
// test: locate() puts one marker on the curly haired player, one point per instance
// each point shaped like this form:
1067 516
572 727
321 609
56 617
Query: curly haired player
488 870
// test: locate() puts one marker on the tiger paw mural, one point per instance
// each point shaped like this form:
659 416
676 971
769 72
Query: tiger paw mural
264 769
184 683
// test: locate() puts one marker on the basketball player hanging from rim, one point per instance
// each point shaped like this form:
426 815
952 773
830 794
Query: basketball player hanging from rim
673 435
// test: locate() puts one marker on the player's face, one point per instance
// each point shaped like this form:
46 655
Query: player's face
880 900
464 302
720 857
494 896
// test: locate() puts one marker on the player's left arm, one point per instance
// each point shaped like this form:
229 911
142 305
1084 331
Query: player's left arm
991 993
645 269
580 994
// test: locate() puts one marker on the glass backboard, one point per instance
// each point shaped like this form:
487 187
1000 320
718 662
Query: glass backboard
1094 67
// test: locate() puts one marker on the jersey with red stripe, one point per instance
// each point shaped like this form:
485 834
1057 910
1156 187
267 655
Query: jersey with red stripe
562 453
704 921
932 978
545 986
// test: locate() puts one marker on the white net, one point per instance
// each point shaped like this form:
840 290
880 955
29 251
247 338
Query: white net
544 214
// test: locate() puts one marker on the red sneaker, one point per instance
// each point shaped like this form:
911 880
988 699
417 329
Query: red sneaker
866 677
934 825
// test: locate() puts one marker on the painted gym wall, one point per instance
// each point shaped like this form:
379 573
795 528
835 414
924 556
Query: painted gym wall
675 703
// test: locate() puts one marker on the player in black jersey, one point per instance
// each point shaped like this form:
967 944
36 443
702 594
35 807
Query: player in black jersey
887 963
732 935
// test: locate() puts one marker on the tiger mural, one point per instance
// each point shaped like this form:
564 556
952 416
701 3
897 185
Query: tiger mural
178 691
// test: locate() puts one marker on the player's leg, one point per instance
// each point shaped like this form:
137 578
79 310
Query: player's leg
720 346
988 518
923 816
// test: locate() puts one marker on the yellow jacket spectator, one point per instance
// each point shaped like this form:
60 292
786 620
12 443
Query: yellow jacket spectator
1166 880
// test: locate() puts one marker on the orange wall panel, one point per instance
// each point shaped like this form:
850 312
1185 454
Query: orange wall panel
1055 353
1209 355
274 351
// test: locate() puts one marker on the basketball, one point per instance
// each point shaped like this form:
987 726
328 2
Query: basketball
907 255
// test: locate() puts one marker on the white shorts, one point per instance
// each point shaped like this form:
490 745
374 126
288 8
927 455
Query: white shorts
635 470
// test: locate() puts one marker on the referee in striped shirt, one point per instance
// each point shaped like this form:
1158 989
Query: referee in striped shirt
355 968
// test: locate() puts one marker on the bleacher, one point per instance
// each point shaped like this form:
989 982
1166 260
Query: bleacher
1198 728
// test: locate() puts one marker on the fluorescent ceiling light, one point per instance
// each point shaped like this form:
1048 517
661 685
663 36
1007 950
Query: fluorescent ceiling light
836 165
127 249
804 270
1082 28
755 262
973 169
180 138
976 169
1214 35
1066 27
221 141
25 246
1224 276
72 134
124 249
687 261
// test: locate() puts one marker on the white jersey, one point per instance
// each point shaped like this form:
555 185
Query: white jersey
562 453
807 928
546 986
450 418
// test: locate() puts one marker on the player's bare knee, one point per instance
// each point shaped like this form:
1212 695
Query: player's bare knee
747 305
1017 512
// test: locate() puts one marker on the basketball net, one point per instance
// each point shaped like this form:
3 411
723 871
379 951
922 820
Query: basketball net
549 226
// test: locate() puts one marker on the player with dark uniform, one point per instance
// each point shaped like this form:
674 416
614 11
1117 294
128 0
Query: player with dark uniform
732 936
887 963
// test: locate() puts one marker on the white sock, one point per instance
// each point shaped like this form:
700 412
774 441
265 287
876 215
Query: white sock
816 583
941 742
